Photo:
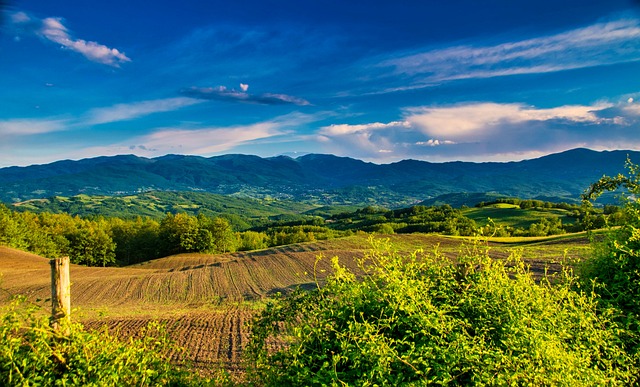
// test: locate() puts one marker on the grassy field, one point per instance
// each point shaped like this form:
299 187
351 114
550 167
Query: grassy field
513 216
207 300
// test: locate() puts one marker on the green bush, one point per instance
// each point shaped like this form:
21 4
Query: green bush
614 270
425 319
32 354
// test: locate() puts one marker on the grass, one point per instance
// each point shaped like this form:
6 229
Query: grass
513 216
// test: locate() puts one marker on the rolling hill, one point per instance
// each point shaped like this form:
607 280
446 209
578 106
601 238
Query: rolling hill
196 280
320 179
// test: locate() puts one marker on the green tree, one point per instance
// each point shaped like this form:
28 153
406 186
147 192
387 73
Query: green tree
136 240
180 233
384 228
92 245
12 231
223 238
252 240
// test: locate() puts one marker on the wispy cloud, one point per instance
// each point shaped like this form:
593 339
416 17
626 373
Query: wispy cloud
123 112
195 140
54 30
22 127
27 127
595 45
221 93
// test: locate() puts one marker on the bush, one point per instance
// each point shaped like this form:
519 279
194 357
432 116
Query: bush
614 270
424 319
32 354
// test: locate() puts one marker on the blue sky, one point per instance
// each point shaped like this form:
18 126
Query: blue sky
375 80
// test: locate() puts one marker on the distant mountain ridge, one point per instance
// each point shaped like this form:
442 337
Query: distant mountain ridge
324 179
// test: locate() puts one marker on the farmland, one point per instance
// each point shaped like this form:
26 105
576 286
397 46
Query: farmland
206 300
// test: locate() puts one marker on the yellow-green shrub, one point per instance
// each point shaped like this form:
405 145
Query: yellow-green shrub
424 319
32 354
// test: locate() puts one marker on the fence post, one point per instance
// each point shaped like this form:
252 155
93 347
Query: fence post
60 295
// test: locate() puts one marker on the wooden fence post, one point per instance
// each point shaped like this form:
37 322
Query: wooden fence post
60 295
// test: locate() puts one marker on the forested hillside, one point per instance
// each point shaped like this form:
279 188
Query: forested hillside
318 179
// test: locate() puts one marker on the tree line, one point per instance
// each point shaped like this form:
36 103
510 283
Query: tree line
108 241
102 241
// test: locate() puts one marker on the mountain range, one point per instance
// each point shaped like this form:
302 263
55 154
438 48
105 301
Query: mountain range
322 179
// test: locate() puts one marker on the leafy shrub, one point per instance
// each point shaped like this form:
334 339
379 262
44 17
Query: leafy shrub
32 354
614 270
424 319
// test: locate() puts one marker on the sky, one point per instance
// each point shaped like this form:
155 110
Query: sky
381 81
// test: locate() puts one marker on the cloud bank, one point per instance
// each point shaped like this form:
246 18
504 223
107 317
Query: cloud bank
221 93
488 130
53 30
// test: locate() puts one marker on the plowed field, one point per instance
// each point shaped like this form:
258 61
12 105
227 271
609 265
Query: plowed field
212 340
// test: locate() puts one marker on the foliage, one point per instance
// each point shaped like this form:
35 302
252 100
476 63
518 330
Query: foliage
156 204
436 219
91 244
252 240
615 268
518 217
100 241
425 319
32 354
40 234
136 240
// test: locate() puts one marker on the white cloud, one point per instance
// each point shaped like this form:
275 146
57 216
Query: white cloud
632 110
123 112
482 131
369 141
208 140
434 142
598 44
474 120
52 29
345 129
27 127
